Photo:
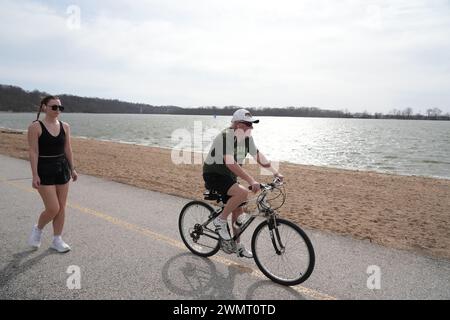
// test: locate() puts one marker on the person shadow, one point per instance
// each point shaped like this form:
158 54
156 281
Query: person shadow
188 275
19 264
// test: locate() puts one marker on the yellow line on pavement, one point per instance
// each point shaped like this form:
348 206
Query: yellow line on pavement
172 242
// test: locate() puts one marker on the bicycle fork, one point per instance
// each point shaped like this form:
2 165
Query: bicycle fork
275 236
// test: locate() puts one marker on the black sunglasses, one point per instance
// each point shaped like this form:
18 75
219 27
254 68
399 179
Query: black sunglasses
56 107
248 124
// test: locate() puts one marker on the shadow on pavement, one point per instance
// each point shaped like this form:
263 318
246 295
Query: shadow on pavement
194 277
15 267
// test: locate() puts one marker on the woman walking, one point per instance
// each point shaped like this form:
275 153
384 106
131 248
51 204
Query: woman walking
52 167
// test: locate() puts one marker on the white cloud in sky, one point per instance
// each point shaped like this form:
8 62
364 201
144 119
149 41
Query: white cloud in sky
358 55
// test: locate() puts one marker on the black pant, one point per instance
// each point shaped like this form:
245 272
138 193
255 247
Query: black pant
53 171
219 183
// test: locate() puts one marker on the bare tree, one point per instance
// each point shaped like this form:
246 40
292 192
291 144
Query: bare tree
395 113
408 112
437 112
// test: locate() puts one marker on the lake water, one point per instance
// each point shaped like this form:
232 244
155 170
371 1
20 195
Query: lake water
392 146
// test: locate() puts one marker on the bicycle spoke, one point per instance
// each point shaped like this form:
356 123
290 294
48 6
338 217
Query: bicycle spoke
293 262
198 239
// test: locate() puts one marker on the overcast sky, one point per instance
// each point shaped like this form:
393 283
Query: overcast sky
349 54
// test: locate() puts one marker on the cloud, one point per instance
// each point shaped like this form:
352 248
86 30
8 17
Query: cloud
372 55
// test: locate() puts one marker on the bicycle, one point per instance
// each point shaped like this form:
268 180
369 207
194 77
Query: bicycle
274 240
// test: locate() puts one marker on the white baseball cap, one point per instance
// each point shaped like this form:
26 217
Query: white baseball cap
243 115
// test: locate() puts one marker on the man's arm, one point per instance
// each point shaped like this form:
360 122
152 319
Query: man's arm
264 162
261 158
238 171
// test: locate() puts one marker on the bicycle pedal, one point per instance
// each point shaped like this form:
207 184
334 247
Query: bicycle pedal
228 246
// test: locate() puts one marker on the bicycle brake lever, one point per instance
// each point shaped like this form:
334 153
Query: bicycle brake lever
277 182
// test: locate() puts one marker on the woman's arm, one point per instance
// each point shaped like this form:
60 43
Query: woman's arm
68 152
33 143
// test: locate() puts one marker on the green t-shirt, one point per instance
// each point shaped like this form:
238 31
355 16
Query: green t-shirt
226 144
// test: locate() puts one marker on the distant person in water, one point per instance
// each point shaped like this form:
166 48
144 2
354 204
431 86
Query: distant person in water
52 168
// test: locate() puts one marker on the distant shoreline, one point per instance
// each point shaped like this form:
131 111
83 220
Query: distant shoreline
16 99
422 118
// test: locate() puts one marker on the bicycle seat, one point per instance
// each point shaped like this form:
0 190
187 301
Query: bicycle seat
212 195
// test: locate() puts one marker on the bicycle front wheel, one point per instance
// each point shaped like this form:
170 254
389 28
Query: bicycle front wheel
197 235
284 254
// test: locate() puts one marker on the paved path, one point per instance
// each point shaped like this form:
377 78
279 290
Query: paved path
125 242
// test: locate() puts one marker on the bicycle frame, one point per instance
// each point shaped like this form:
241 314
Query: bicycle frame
268 213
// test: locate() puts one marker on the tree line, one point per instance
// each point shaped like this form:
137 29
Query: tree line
15 99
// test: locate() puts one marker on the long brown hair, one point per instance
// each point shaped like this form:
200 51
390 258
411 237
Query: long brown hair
44 101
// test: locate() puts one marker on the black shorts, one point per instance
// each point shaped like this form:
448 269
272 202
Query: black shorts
53 171
219 183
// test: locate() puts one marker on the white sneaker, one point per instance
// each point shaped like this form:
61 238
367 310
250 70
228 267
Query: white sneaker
59 245
221 228
35 237
241 251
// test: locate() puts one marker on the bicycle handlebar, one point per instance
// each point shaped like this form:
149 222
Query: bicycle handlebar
276 182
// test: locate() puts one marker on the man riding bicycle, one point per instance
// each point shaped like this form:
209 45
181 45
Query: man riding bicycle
224 164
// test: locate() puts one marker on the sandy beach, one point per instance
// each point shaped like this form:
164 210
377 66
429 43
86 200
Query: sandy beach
411 213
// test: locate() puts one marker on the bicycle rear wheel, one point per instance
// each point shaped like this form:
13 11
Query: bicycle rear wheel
294 261
201 240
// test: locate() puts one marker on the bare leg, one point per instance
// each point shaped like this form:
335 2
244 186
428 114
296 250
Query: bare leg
236 213
50 199
238 195
58 221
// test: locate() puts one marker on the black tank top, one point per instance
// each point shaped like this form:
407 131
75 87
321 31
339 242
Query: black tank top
50 145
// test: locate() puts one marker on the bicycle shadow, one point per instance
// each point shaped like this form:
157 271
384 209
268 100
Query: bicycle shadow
15 267
195 277
269 290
